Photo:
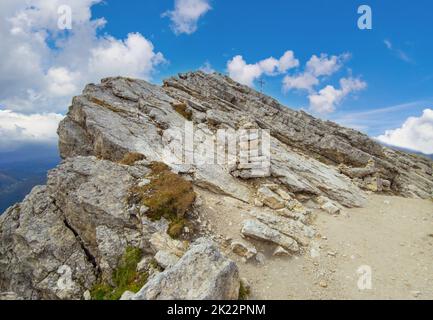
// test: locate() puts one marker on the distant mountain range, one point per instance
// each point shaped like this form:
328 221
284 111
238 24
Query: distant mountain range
22 169
430 156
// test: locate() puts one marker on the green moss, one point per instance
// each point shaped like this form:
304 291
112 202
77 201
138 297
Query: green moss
168 195
101 291
125 278
243 292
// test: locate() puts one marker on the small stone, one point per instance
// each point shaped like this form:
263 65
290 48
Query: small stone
314 253
415 294
166 259
330 208
270 198
143 265
143 210
323 284
260 258
243 249
127 295
87 296
258 203
246 284
281 252
332 253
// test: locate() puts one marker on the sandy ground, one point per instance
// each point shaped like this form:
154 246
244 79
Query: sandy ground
392 237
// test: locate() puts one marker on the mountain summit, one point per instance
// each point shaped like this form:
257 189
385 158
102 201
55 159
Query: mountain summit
144 167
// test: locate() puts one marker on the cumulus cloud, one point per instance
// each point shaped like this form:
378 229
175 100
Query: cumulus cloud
239 70
326 100
305 81
416 133
315 68
186 13
207 68
42 66
135 56
16 128
242 72
325 65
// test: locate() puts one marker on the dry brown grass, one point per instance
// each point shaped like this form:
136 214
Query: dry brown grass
168 195
182 109
131 157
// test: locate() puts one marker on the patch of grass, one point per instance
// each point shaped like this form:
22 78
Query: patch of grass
168 195
177 226
125 278
158 168
243 292
131 157
182 109
154 265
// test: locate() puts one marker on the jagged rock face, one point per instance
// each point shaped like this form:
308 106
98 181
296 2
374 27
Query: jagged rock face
122 115
64 235
67 235
33 265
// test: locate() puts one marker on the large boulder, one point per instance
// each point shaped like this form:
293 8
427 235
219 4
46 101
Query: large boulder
203 273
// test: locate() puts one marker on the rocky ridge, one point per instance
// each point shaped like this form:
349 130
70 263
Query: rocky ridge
70 234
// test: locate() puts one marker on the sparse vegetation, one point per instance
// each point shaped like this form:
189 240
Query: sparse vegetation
125 278
106 105
131 157
243 292
182 109
168 195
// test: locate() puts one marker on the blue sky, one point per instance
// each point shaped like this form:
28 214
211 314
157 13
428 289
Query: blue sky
392 62
269 28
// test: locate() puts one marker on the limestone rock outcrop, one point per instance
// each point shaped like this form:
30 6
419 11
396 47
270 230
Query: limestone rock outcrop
203 273
223 137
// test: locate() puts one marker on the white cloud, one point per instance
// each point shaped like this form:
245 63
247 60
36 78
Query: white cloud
303 81
287 61
17 128
324 65
326 100
186 14
242 72
246 74
397 52
43 67
133 57
416 133
315 68
207 68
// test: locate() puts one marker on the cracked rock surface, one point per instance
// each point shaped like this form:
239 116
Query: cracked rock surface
68 234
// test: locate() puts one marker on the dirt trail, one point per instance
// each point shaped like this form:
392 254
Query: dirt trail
392 236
